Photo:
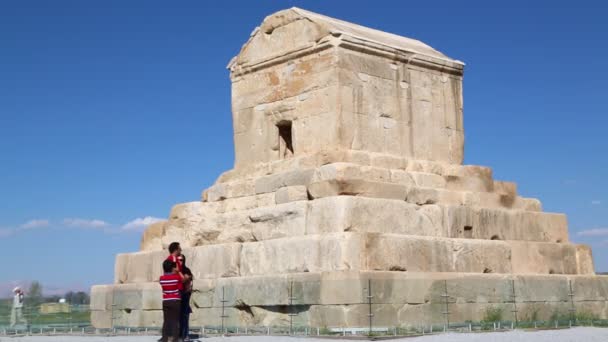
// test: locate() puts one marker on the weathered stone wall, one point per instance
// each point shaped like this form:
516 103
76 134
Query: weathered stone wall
338 299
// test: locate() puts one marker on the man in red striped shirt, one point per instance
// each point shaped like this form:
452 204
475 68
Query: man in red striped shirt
172 285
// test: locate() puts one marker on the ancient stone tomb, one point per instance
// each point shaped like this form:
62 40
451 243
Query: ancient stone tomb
349 146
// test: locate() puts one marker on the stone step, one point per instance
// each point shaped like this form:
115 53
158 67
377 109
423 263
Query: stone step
348 251
453 178
198 223
317 295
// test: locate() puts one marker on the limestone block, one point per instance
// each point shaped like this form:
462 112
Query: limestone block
101 319
337 171
151 239
357 187
214 261
185 215
530 204
244 203
506 188
360 214
587 288
388 161
222 191
422 196
101 297
203 293
584 260
313 133
272 183
402 177
338 316
284 80
228 227
360 62
349 171
469 178
336 288
270 290
329 156
428 180
502 224
329 252
426 166
178 233
211 317
497 200
372 96
283 220
543 258
137 318
471 288
139 267
291 194
140 296
541 288
120 268
391 289
424 314
429 254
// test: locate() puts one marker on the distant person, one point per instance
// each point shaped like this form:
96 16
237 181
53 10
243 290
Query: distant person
17 311
175 250
184 324
172 285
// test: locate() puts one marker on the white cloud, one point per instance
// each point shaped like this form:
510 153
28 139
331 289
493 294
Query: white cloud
35 224
596 202
594 232
140 223
85 223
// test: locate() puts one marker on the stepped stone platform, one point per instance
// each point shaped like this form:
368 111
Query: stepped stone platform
348 174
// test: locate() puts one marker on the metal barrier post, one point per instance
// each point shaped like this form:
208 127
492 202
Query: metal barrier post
447 305
514 301
370 315
291 308
572 307
223 316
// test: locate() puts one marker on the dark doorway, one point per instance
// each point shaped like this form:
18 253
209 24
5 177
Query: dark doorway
285 139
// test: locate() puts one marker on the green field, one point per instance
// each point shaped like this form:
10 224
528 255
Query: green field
34 318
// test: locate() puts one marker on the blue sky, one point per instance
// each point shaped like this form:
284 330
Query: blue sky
113 111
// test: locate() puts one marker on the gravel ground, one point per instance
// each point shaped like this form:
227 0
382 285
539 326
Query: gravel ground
565 335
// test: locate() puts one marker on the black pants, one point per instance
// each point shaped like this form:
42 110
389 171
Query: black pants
184 324
172 310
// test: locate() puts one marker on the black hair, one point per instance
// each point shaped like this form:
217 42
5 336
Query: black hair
173 247
168 266
187 271
183 259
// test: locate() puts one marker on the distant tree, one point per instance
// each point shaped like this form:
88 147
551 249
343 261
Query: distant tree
69 297
34 294
52 299
81 297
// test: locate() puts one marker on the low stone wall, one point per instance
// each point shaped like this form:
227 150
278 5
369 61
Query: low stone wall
339 299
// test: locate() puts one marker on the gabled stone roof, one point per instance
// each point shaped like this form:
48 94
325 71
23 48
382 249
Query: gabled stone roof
321 29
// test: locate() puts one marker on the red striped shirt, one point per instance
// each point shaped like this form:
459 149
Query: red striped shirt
172 286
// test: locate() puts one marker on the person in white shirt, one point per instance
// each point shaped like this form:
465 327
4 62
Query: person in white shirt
17 312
